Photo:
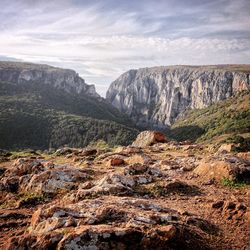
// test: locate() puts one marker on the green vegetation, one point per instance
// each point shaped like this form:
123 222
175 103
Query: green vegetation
30 199
41 117
231 117
232 184
242 144
100 144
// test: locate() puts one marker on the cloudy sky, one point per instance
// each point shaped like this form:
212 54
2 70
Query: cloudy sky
102 39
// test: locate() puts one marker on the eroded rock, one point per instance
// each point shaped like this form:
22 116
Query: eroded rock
219 168
34 176
148 138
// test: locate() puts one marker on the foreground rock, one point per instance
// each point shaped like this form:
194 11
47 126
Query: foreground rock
148 138
133 223
228 167
149 198
119 183
36 176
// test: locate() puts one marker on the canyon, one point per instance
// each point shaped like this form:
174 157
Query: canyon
156 97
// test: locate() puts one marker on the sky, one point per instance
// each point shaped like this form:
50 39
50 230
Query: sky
102 39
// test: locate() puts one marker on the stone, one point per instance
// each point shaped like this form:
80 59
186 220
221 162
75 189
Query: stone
62 79
166 232
51 181
155 97
116 161
64 151
33 176
169 164
227 148
186 142
244 155
219 168
218 204
135 169
88 152
111 184
148 138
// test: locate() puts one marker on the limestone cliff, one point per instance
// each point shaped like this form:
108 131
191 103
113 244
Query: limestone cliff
157 96
64 79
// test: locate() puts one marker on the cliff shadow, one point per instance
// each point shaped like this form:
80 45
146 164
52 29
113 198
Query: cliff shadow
186 133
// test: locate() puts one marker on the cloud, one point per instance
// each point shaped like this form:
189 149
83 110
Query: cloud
102 39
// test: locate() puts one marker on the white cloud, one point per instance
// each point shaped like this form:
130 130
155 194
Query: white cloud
101 42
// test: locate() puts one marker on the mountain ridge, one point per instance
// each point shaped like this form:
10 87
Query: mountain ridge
49 107
66 79
155 97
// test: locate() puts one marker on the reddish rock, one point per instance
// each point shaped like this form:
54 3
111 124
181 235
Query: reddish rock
244 155
166 232
219 168
247 217
116 162
148 138
218 204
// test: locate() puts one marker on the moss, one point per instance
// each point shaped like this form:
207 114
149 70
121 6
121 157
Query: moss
30 199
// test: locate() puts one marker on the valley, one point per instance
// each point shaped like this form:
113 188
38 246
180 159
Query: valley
78 171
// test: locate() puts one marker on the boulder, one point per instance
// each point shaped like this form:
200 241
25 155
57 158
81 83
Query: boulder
64 151
148 138
51 181
219 168
40 177
244 155
109 184
120 183
227 148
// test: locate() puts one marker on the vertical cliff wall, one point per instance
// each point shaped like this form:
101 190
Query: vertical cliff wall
157 96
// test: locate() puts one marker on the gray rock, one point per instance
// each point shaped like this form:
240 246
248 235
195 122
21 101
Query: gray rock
157 96
64 79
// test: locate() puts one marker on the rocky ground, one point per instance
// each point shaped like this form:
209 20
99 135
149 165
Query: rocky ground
164 196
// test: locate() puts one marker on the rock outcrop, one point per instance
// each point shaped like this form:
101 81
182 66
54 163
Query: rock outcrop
155 199
64 79
157 96
228 167
148 138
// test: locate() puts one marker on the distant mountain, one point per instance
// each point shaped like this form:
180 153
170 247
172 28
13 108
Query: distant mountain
156 97
64 79
43 106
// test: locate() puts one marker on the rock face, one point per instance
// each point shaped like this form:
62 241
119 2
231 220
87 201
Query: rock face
156 96
64 79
